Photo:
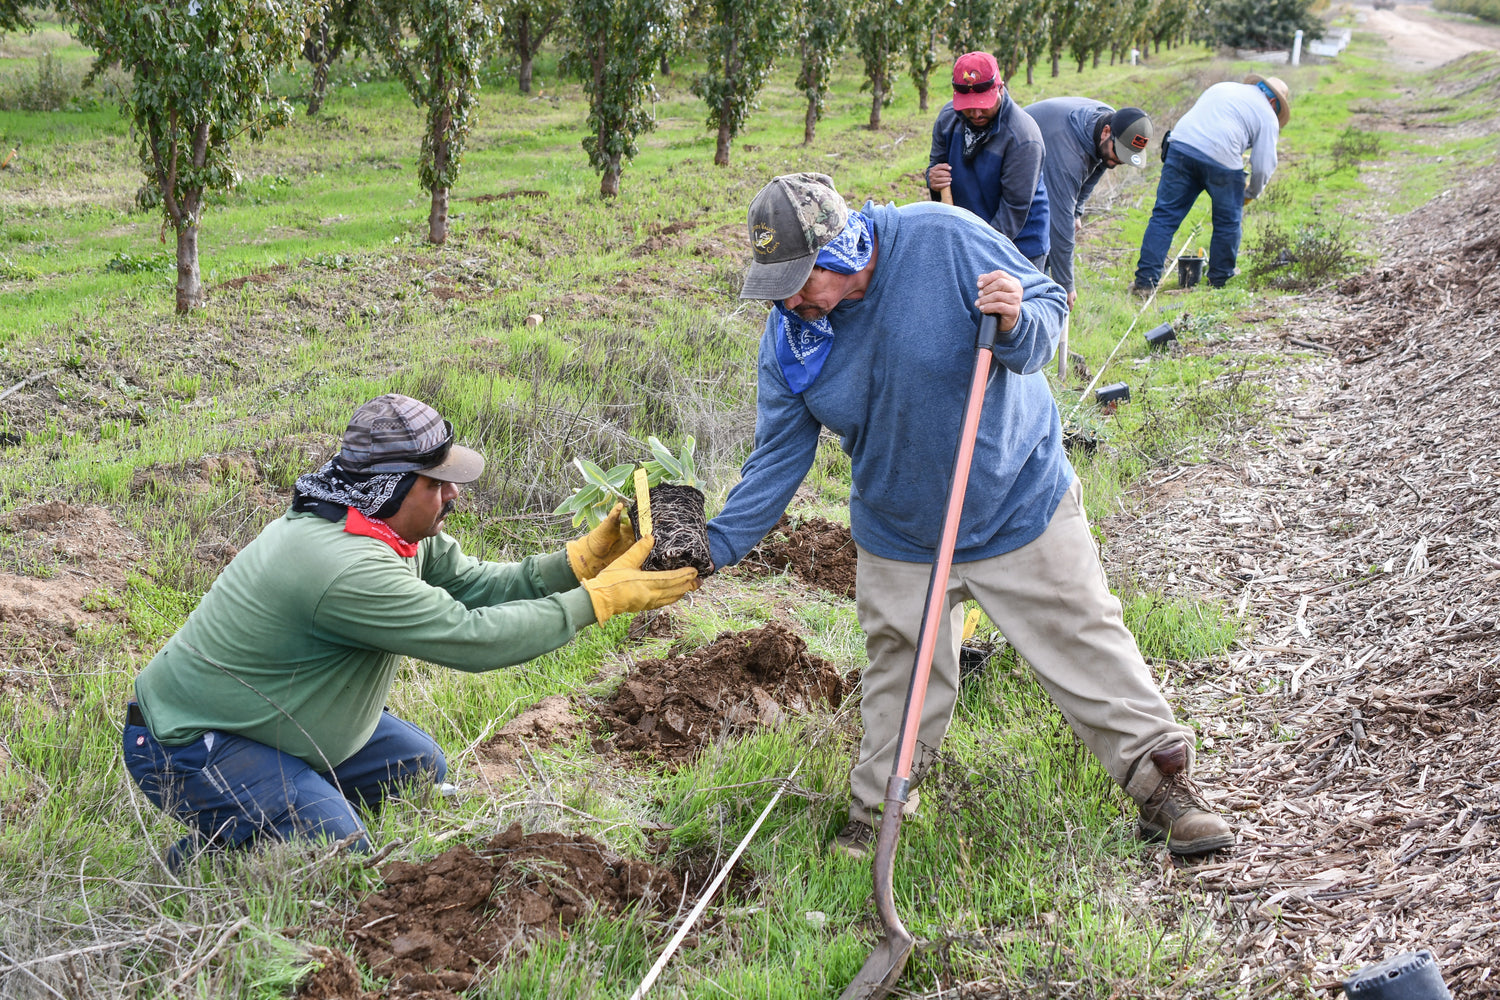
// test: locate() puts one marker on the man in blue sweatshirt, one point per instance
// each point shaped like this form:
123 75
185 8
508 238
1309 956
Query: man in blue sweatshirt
987 154
872 336
1205 152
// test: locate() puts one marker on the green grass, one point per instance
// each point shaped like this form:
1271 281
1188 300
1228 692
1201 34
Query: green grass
1021 867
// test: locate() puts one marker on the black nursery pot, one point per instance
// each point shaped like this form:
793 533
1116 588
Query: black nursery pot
679 527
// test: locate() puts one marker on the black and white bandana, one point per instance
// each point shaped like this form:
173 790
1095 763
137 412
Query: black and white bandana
331 484
974 138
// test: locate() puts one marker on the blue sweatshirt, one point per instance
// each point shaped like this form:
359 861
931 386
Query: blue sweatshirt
893 389
1003 183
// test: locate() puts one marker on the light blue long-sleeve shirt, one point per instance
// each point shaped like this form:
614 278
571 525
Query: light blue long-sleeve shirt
1227 119
893 390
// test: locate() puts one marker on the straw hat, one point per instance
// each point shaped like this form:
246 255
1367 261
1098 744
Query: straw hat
1283 103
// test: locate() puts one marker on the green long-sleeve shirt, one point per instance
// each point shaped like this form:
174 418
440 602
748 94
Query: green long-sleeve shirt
296 643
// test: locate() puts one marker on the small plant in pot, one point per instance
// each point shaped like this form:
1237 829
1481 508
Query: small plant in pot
675 503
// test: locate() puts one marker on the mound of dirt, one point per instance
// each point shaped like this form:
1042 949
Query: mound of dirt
435 927
669 709
819 551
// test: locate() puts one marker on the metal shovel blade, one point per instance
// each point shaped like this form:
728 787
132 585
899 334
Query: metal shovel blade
881 970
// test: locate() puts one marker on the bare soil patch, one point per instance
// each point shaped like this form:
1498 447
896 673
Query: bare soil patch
820 552
1418 39
1358 532
434 928
64 566
667 710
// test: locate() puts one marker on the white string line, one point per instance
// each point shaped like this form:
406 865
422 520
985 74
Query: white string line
708 895
1144 306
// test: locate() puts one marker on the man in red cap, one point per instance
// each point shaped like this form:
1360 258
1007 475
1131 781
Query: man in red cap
987 154
263 718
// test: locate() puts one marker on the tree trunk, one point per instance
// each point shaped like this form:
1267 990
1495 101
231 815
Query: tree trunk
1056 57
721 149
189 280
1096 59
437 218
666 67
609 181
1030 70
319 88
922 95
810 120
524 50
875 101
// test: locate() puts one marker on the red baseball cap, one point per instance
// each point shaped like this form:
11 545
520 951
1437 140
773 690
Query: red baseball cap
976 78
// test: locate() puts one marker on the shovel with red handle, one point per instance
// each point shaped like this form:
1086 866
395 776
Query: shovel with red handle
883 967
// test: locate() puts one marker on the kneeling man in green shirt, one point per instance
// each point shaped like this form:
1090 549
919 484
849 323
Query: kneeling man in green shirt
264 715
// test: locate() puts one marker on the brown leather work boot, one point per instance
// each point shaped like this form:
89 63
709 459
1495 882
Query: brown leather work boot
1176 811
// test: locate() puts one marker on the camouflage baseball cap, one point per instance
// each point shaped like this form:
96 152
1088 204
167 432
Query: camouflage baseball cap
791 218
395 433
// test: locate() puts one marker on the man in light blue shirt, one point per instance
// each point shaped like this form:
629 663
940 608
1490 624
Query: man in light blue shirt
1205 152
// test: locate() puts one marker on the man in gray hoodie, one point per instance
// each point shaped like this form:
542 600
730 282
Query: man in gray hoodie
1084 138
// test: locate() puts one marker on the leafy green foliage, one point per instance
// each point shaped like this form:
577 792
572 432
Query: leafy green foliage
1485 10
434 48
617 46
971 25
590 503
1306 257
13 16
202 76
1262 24
742 44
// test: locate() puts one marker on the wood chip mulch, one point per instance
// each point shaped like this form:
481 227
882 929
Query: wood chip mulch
1353 732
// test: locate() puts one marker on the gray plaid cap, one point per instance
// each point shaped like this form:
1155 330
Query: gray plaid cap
395 433
791 219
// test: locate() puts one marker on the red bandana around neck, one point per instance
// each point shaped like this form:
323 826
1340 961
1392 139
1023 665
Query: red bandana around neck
357 524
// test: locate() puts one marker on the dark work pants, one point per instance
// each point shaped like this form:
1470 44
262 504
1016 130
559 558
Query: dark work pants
233 791
1183 177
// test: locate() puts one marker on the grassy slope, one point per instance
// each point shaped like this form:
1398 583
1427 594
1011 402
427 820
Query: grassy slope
1020 864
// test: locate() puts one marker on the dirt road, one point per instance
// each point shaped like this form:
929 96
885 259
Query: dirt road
1419 38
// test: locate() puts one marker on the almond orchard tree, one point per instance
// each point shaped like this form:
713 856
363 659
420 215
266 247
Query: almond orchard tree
741 44
971 26
525 25
433 47
202 79
333 29
918 24
877 33
617 45
821 31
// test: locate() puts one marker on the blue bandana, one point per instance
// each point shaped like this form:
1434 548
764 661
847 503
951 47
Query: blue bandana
803 345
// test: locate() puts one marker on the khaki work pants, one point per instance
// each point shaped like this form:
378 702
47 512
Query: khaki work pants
1051 601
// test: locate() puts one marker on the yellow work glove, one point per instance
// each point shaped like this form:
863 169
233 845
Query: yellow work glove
590 554
624 586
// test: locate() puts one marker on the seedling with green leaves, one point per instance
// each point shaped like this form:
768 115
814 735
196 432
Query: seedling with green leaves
675 502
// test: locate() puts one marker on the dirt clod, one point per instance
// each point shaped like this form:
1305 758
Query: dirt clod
819 551
435 927
669 709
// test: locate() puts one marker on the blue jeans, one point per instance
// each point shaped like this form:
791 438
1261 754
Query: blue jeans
232 791
1184 176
